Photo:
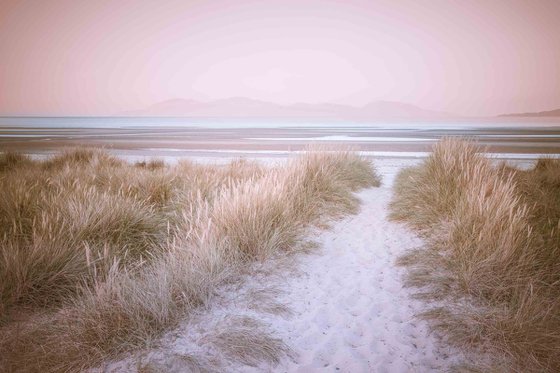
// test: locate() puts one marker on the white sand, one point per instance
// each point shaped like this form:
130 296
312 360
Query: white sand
346 138
350 312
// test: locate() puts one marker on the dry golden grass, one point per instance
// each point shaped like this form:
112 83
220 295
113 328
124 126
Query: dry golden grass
177 363
98 256
246 340
493 252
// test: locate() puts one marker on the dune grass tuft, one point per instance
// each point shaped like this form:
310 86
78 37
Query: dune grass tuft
11 160
99 256
246 340
493 253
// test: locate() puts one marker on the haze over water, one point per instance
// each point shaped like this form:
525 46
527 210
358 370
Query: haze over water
67 57
198 76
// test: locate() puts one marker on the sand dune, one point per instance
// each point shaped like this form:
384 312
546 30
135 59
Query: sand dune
341 308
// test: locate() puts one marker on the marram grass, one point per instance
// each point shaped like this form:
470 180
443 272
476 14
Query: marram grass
492 254
99 256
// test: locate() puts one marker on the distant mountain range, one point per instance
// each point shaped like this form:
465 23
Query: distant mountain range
540 114
239 107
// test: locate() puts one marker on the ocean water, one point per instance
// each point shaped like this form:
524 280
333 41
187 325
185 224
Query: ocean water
214 136
134 122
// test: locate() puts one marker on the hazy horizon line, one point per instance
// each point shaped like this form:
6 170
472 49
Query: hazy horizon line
128 112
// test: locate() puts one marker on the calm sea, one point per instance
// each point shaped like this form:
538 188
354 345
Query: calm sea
530 137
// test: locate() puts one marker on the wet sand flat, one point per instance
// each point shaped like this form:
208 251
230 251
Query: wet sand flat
178 141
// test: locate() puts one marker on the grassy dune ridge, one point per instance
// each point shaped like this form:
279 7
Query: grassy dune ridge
98 256
493 252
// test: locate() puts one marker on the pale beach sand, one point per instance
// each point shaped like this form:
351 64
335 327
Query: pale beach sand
340 308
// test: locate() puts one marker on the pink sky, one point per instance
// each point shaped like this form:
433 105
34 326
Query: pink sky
70 57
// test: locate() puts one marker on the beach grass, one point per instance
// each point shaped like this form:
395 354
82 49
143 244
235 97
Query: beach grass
99 256
491 265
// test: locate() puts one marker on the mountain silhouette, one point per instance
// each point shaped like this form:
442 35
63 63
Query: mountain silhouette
540 114
241 107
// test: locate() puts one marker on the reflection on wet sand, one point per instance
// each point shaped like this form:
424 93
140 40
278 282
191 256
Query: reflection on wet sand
184 141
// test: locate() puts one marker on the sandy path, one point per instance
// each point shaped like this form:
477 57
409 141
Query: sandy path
350 311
